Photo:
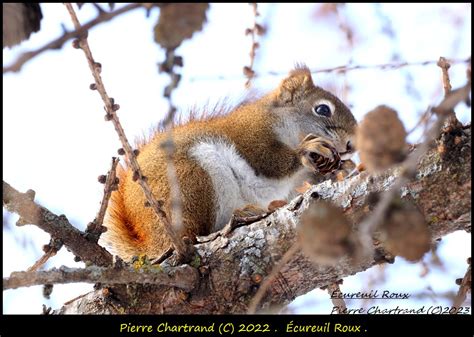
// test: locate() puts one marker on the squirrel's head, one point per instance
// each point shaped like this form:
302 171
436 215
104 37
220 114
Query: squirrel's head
310 109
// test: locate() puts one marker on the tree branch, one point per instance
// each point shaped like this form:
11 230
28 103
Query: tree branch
57 226
183 277
58 43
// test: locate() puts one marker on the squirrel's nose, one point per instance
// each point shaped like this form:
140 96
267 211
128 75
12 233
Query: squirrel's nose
350 147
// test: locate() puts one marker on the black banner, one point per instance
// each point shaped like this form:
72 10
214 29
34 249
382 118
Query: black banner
237 325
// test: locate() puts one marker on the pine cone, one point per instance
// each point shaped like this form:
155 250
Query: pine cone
380 139
324 165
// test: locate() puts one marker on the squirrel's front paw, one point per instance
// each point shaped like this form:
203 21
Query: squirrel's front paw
248 211
319 154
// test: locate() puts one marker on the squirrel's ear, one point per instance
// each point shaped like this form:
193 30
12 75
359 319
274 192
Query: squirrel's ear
296 85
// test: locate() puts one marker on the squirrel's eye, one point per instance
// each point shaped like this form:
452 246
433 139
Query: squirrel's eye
323 110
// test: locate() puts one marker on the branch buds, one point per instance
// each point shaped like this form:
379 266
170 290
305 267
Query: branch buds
98 67
76 44
248 72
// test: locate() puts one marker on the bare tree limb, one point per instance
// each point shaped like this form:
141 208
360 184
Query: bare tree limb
58 43
183 277
57 226
111 107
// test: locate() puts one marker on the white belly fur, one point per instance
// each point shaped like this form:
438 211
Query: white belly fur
235 182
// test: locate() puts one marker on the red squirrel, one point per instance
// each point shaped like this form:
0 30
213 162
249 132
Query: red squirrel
257 153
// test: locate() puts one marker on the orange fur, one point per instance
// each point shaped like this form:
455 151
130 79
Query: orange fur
123 235
195 114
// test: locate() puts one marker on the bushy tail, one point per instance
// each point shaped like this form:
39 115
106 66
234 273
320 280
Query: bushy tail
121 237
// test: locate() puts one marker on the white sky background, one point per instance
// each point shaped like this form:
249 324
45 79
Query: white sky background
56 141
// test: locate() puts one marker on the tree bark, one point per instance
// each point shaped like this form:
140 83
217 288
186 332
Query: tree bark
231 268
56 225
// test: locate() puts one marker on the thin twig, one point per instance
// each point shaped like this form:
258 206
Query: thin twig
464 287
444 65
425 117
347 30
338 302
234 222
408 167
340 69
168 145
77 297
257 29
163 256
389 30
50 250
57 226
95 228
184 276
111 107
42 260
268 281
58 43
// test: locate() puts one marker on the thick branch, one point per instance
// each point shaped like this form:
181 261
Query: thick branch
57 226
233 266
183 277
